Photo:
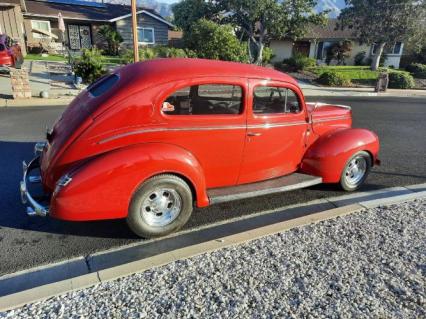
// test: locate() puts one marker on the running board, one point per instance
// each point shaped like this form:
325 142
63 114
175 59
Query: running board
271 186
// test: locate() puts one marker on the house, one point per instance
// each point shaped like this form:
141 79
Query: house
82 21
318 39
12 21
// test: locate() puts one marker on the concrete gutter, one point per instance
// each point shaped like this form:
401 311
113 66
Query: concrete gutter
43 282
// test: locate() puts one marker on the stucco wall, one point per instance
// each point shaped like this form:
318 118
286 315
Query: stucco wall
124 27
282 49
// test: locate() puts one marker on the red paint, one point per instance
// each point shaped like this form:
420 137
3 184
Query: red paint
10 53
112 143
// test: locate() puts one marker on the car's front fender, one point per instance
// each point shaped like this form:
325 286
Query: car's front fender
327 156
102 188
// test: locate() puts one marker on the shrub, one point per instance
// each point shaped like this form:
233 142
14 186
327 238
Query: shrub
267 55
210 40
298 62
148 53
89 66
111 37
332 78
400 80
359 58
417 69
169 52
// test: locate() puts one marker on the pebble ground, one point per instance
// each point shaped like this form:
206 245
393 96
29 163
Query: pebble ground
371 264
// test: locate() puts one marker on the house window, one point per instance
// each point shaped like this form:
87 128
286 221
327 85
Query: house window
395 49
42 26
146 35
320 50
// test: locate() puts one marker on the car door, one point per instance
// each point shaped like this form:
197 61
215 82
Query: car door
207 117
276 130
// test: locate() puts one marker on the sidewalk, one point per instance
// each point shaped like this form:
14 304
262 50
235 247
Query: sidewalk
315 90
51 77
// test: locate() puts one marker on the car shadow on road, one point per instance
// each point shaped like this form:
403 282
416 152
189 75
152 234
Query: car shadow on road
12 212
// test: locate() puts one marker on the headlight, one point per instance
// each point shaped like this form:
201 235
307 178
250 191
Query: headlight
39 148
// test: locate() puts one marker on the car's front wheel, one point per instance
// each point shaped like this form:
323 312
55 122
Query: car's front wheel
160 206
355 171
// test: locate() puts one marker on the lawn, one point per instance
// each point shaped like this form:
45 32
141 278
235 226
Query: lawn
356 74
50 57
60 58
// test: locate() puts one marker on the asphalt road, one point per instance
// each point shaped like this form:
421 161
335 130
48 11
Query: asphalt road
26 242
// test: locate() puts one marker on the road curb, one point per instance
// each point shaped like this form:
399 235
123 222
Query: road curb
36 102
257 230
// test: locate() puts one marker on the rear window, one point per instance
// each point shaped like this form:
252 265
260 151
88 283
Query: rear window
103 85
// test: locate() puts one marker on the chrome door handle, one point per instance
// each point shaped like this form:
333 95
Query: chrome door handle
253 134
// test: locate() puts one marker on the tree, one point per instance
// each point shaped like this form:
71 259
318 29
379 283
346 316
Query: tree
383 22
188 12
259 21
112 38
213 41
339 51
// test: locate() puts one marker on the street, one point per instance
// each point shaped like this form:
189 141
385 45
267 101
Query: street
27 242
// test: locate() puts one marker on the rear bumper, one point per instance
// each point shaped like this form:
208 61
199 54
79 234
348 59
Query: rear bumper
34 208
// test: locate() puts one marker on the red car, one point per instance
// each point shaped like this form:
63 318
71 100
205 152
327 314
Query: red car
10 53
154 138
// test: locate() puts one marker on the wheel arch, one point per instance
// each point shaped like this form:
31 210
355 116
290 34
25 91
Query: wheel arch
327 156
103 187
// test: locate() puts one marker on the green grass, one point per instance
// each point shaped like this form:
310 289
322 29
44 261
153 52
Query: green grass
356 74
50 57
108 59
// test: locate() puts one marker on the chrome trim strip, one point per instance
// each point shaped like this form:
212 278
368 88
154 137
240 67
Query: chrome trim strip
332 119
206 128
319 104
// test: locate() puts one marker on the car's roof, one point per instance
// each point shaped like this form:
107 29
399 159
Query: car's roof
180 68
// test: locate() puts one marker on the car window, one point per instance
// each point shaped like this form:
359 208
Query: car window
103 85
205 99
275 100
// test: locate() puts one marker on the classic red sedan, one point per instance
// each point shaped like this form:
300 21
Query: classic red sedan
10 53
155 138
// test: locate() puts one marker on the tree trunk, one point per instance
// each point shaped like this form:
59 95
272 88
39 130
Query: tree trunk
376 58
259 58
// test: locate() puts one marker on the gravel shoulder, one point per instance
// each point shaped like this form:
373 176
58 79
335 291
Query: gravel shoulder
368 264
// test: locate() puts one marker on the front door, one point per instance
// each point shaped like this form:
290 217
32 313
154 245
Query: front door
207 117
276 129
79 36
302 47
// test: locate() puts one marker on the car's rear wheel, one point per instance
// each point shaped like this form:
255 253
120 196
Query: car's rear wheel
355 171
160 206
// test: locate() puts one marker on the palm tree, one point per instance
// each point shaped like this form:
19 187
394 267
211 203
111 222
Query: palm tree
112 37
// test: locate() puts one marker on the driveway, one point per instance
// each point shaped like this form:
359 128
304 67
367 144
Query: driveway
26 242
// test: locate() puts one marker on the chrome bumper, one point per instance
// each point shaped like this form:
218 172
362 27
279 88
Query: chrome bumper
33 207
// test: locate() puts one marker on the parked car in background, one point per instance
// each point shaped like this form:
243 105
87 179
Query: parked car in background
10 53
151 139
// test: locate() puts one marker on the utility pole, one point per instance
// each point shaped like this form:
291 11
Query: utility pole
135 33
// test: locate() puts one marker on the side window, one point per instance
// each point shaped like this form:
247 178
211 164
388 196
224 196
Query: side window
274 100
205 99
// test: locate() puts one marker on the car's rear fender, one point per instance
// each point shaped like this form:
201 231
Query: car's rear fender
102 188
327 156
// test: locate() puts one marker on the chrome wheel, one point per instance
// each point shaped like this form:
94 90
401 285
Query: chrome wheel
355 170
161 207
